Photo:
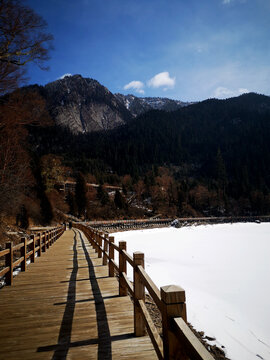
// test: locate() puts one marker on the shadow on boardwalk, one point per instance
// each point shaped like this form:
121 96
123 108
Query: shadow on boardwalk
104 339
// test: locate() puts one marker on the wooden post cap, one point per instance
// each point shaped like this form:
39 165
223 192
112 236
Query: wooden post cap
138 255
122 245
172 294
111 238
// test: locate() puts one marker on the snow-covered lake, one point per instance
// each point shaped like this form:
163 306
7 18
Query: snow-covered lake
225 271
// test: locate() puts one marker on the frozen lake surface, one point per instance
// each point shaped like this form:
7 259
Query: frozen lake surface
225 271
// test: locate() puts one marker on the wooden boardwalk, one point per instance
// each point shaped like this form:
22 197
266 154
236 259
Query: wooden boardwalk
66 307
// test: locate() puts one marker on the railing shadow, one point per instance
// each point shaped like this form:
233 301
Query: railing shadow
66 325
104 339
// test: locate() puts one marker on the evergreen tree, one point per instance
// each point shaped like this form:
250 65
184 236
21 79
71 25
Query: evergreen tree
119 200
102 195
80 193
221 173
45 209
23 217
72 203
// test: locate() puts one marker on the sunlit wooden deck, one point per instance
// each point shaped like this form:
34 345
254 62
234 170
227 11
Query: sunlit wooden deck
65 306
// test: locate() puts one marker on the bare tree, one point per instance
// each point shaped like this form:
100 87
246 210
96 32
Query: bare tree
22 40
19 109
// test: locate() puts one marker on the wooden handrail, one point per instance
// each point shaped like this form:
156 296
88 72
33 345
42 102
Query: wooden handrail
178 340
193 348
152 330
36 245
150 286
128 258
4 252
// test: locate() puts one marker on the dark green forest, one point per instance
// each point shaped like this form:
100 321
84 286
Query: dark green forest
222 145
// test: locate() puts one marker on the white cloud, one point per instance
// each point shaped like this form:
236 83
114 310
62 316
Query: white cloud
136 85
63 76
223 92
227 2
162 79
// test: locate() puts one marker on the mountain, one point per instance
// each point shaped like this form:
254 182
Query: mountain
83 105
139 105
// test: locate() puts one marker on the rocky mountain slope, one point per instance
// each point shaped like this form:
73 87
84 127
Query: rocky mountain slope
139 105
84 105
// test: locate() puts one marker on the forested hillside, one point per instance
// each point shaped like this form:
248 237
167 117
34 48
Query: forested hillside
216 153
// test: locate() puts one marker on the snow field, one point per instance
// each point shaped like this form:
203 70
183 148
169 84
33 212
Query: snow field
225 272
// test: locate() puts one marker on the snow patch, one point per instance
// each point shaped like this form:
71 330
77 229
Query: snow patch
224 269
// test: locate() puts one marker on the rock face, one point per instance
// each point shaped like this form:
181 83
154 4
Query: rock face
84 105
139 105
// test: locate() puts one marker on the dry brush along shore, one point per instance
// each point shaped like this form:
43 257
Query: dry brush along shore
215 351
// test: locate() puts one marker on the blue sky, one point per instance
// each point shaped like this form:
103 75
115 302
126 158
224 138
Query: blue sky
187 50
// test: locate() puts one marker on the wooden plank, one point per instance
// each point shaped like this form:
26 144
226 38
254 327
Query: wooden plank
116 247
152 330
4 252
17 247
66 306
4 271
128 258
18 262
151 287
193 347
128 284
115 265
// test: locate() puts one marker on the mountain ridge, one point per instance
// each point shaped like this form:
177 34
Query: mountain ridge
83 105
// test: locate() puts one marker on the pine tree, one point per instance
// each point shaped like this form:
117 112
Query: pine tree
45 209
80 194
102 195
221 174
23 217
119 200
72 203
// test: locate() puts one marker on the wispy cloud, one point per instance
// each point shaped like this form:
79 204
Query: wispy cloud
227 2
223 92
162 79
135 85
63 76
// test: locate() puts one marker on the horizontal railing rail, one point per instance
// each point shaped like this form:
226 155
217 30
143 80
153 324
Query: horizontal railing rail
129 224
15 256
177 340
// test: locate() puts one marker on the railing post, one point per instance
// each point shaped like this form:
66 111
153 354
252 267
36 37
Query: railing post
39 244
23 253
33 248
139 294
47 240
122 269
44 243
173 305
95 240
100 244
9 263
111 256
105 250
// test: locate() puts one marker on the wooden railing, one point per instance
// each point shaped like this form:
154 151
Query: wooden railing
177 341
128 224
26 249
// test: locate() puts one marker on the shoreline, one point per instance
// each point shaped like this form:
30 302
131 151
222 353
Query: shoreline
129 225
